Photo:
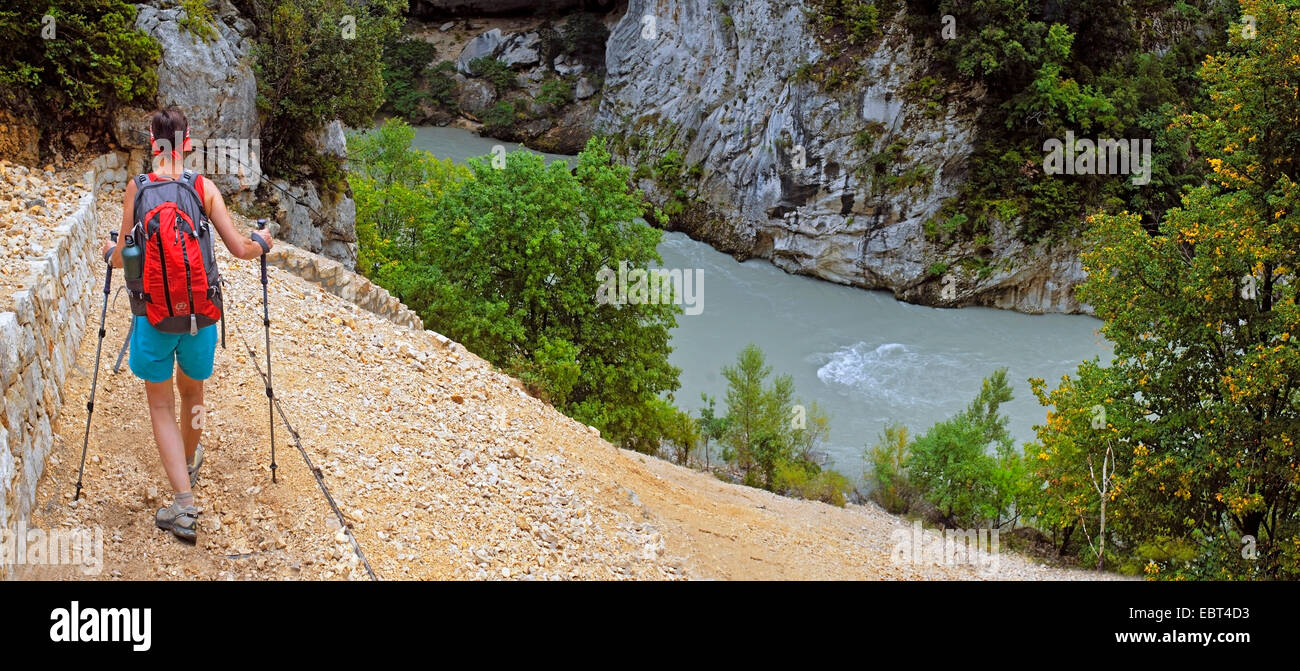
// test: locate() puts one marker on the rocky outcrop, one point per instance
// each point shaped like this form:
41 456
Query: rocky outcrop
330 140
561 128
522 50
485 45
476 96
838 184
212 81
323 222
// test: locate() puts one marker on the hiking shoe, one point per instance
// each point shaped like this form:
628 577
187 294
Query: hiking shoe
183 521
198 461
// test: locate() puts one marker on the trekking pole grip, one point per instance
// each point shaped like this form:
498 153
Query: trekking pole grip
108 260
261 226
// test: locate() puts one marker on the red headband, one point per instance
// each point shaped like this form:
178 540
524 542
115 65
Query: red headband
185 146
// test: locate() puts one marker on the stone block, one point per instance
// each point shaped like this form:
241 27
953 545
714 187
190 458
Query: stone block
23 306
11 339
15 410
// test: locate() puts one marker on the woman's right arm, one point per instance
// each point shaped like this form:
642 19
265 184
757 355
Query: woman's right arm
239 246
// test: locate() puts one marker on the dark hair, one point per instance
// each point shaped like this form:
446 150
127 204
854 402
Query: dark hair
170 125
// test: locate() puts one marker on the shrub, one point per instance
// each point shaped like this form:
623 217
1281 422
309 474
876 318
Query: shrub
96 59
495 71
198 19
952 468
556 92
892 488
814 484
501 116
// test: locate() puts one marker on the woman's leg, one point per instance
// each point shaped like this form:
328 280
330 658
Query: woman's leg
193 413
162 411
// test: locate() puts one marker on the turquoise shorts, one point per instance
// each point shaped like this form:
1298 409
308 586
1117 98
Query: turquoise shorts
153 352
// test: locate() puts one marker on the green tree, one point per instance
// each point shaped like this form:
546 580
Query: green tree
711 425
888 458
583 38
409 80
1203 314
955 464
316 61
1089 416
757 414
508 262
769 436
397 192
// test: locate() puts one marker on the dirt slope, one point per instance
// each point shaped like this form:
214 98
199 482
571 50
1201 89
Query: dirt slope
443 467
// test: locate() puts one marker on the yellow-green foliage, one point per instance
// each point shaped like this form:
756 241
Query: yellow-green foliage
888 459
198 19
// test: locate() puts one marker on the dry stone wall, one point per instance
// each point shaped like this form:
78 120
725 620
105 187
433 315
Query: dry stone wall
338 280
39 339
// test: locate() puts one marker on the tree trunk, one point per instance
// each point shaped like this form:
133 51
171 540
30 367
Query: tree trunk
1101 540
1065 539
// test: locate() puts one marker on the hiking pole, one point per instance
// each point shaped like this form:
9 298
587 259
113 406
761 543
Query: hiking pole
94 379
266 324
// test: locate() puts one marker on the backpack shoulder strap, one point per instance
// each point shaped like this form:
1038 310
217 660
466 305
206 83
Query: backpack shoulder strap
141 181
191 179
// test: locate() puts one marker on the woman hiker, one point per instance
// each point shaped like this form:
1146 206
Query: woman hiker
156 353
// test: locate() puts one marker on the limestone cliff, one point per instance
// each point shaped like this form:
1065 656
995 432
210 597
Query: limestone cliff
833 182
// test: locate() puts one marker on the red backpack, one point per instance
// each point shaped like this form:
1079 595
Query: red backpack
180 288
